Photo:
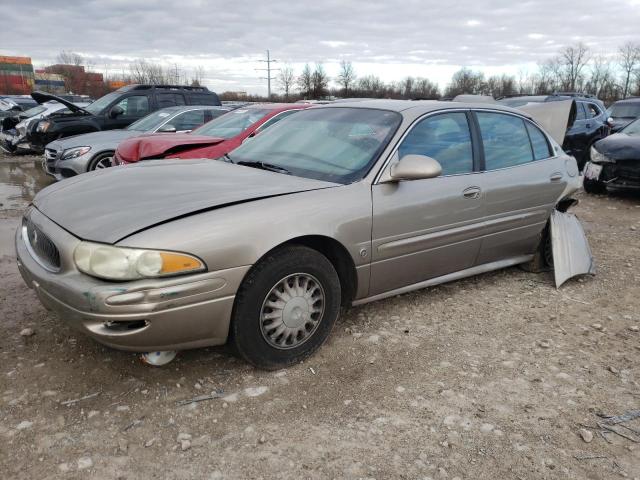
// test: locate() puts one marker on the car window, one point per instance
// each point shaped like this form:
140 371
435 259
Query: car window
446 138
188 120
135 106
505 140
581 113
625 110
169 99
274 119
233 123
213 113
203 99
539 143
592 110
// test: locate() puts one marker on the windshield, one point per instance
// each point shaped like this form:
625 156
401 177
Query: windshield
103 102
233 123
333 144
629 110
151 121
32 112
633 128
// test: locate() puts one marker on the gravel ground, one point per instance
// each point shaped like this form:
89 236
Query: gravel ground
499 376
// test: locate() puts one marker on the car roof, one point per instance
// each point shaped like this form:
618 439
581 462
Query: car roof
277 106
629 100
420 106
183 108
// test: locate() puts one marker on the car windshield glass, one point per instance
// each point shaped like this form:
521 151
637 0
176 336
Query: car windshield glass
232 123
333 144
151 121
32 112
100 104
629 110
633 128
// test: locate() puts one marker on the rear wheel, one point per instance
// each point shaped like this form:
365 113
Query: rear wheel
103 160
285 308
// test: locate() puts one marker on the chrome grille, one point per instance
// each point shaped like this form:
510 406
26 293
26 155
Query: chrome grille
50 155
41 248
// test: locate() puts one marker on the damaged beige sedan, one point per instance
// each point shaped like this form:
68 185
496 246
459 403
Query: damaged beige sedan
337 205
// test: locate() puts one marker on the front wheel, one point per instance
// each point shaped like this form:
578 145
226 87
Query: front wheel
285 308
594 186
104 160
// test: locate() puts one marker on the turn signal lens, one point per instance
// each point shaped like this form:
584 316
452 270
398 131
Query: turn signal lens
175 262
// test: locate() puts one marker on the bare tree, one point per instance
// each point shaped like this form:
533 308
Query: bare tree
285 79
198 76
305 81
69 58
574 59
466 81
629 55
347 76
601 75
319 81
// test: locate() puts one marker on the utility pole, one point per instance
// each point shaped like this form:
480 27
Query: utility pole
268 78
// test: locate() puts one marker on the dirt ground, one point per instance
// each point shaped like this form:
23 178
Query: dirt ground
490 377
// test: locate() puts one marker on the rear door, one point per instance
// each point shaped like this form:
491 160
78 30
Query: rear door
522 181
427 228
134 108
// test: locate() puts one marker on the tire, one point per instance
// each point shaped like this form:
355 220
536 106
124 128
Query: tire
100 159
258 340
594 187
543 257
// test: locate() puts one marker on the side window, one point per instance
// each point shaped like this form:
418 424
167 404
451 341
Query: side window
444 137
539 142
188 120
581 113
213 113
203 99
592 110
135 106
169 99
274 119
505 139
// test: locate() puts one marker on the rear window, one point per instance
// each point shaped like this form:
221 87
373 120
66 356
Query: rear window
539 143
505 139
204 99
625 110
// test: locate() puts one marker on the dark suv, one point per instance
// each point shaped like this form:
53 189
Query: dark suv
623 112
115 110
591 123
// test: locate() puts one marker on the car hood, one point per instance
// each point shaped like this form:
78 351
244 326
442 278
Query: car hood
161 144
93 139
109 205
42 97
620 146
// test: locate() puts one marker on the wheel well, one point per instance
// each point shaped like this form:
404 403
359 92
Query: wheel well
339 257
95 156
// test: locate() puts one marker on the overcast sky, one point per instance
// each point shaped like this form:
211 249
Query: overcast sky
391 39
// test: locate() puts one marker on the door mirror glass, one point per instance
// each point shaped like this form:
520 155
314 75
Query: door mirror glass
168 128
116 111
415 167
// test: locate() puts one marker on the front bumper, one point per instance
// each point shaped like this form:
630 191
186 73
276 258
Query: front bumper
61 169
622 175
145 315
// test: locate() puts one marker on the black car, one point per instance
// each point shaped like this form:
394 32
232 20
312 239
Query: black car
623 112
590 125
117 109
615 161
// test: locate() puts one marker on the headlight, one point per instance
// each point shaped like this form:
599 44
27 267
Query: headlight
74 152
598 157
43 126
119 263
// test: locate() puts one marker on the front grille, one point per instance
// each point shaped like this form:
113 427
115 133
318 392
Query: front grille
628 172
50 155
41 248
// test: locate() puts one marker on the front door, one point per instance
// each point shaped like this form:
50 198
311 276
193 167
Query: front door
427 228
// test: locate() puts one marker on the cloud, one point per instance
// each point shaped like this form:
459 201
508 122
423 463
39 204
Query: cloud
390 39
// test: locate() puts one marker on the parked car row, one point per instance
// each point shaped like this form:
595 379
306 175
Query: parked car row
335 205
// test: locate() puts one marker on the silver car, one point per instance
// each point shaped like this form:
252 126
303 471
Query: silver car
71 156
338 205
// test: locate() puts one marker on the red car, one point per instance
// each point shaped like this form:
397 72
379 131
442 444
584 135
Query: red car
212 140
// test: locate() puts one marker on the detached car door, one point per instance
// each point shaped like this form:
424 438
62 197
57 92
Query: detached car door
521 181
427 228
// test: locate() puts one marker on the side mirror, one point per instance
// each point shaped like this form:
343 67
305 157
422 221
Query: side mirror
168 128
116 111
415 167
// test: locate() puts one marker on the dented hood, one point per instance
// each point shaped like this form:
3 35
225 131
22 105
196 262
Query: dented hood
42 97
159 145
109 205
620 147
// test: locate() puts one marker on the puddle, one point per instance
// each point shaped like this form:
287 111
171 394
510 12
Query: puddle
21 177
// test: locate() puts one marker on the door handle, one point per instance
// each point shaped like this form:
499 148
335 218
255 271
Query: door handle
588 125
555 177
471 192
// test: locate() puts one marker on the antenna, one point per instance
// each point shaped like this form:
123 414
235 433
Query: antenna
268 78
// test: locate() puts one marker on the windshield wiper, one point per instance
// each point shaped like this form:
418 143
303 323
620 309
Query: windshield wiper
264 166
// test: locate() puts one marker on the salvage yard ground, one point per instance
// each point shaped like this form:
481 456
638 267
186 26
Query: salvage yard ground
499 376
